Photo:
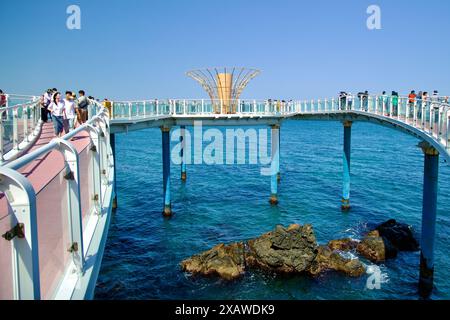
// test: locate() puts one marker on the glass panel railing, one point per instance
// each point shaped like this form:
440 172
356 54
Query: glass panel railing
7 222
7 130
86 183
53 233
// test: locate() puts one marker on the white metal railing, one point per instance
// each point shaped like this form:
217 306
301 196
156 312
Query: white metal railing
200 107
19 125
430 115
45 230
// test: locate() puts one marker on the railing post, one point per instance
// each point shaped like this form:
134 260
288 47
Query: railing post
25 123
1 137
129 110
73 202
184 106
15 129
376 105
415 113
203 105
94 134
104 142
25 255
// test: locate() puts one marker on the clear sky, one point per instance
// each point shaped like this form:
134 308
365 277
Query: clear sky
133 49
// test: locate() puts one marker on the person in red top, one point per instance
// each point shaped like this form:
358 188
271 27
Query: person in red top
412 100
2 99
412 97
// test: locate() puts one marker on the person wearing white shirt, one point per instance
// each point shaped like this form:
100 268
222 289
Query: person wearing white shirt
69 107
57 110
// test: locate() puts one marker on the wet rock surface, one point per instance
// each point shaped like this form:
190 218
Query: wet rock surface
291 250
294 250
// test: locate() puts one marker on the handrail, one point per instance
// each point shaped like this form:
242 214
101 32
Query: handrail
22 199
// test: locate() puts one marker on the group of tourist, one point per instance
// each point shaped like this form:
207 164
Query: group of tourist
346 100
66 113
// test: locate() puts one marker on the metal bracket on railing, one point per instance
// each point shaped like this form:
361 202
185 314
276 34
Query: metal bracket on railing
17 231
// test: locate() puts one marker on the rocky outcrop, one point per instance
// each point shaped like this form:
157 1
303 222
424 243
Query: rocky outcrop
225 261
291 250
386 241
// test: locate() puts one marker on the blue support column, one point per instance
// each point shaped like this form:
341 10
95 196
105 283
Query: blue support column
166 170
183 153
275 165
429 208
112 141
346 165
279 156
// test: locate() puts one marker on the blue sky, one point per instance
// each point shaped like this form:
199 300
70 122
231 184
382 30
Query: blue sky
133 49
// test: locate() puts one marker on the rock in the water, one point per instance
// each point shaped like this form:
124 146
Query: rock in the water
400 235
387 240
328 259
226 261
376 248
343 244
284 250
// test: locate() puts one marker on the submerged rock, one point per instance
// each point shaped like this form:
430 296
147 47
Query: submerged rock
387 240
291 250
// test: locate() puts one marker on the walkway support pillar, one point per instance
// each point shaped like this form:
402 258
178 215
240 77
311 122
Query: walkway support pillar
112 141
167 212
429 209
275 164
279 155
346 166
183 153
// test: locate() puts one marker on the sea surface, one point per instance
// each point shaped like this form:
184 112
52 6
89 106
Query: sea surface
227 203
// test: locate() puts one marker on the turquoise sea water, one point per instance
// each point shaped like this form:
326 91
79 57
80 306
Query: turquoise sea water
230 203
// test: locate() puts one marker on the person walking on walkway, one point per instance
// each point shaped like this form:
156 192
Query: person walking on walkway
82 109
69 112
57 111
